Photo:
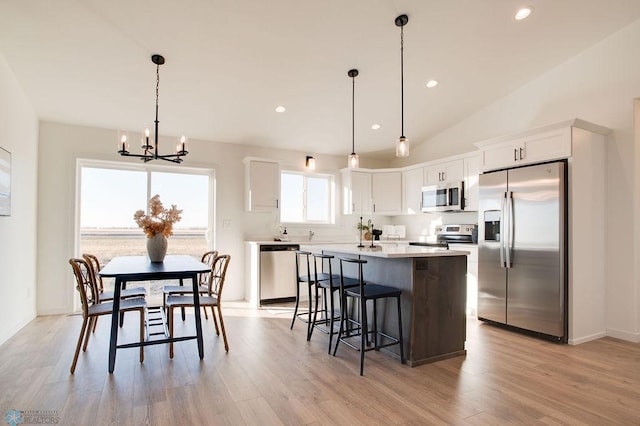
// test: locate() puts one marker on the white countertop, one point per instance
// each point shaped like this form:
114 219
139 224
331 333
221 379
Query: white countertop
321 242
385 250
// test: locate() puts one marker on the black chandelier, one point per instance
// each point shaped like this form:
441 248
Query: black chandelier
151 151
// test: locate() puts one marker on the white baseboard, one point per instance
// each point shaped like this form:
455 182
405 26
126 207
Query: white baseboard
55 311
589 338
629 336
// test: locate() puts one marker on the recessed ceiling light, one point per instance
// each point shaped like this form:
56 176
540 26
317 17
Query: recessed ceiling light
432 83
280 109
375 127
523 13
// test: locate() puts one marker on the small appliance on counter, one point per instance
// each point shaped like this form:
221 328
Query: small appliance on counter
376 234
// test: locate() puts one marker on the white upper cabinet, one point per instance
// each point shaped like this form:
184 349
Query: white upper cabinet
535 148
412 183
262 185
471 172
446 172
386 192
356 192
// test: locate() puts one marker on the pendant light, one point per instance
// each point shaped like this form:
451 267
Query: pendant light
354 161
402 144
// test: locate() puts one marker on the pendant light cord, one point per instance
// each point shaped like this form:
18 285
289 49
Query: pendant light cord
353 114
402 79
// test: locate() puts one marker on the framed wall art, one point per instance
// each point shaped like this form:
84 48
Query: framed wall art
5 182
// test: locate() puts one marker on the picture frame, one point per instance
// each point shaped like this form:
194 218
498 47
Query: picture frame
5 182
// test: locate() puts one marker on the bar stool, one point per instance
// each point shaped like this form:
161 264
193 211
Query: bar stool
329 283
364 293
310 280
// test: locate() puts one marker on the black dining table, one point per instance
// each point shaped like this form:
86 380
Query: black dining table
140 268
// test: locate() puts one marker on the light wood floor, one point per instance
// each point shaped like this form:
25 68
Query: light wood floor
271 375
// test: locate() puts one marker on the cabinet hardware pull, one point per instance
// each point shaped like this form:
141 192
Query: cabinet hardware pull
521 149
515 154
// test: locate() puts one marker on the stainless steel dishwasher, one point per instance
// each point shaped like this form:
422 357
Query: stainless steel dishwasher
277 272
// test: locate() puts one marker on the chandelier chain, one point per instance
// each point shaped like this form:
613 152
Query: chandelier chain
157 86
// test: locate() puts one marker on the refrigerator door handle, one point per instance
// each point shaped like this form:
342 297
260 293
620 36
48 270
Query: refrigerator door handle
502 211
509 239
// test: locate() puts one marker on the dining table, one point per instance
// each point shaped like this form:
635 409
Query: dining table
139 268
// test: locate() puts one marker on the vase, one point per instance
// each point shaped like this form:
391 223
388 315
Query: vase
157 247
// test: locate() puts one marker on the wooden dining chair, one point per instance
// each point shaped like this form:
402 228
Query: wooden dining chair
203 283
212 298
106 296
92 308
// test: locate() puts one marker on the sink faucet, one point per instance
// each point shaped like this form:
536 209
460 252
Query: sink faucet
311 234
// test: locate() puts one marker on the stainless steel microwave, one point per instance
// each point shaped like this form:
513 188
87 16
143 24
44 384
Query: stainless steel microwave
443 197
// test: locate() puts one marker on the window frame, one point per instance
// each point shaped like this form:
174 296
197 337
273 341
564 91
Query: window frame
211 233
331 202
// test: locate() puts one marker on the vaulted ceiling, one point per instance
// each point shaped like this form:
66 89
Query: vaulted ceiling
229 63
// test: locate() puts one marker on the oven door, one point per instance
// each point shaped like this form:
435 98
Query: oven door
435 198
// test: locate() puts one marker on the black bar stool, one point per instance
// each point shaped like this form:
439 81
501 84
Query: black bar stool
364 292
302 258
328 283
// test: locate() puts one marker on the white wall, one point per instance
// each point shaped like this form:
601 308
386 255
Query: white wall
18 135
61 145
599 86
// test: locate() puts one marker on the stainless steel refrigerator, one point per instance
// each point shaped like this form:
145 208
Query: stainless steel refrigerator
522 249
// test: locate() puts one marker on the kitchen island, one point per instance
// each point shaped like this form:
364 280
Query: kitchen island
433 284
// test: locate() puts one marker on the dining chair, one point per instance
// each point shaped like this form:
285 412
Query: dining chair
203 284
106 296
212 298
92 308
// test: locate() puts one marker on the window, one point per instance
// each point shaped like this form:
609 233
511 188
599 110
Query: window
110 193
306 198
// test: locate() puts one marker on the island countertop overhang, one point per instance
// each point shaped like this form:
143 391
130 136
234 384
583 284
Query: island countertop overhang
388 251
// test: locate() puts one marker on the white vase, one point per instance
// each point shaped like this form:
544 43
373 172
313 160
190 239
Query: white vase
157 247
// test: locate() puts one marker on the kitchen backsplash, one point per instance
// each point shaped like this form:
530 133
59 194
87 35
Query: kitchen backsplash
422 225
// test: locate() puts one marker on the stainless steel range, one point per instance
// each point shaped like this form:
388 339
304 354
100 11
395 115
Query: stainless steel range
457 233
449 234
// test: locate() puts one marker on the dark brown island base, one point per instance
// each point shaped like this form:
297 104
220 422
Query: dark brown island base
434 293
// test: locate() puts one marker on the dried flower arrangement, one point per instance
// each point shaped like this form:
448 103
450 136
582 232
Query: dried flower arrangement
159 220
